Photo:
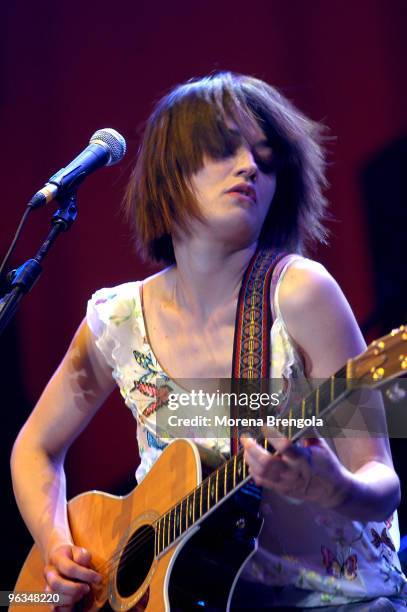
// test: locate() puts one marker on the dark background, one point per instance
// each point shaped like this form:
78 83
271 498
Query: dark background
69 68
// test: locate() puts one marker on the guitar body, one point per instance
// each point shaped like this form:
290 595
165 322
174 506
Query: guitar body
198 570
152 549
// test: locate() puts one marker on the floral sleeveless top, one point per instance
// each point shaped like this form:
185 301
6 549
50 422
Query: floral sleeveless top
315 557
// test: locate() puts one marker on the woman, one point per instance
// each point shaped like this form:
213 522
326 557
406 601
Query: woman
226 165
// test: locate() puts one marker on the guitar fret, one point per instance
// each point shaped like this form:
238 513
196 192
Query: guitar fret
157 539
176 522
181 517
206 493
217 487
212 492
332 388
190 509
198 503
186 513
170 526
225 480
209 492
174 518
162 541
202 499
239 467
166 530
309 405
234 471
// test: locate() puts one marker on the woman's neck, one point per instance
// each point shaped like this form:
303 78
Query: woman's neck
206 278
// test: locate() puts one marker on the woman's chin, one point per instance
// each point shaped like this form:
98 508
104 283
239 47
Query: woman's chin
236 233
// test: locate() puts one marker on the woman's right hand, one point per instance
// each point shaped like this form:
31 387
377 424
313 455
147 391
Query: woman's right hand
68 573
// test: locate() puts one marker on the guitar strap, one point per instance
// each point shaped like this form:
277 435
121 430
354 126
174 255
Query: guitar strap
251 345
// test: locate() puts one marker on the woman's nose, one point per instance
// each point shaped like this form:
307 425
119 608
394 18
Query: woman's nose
246 164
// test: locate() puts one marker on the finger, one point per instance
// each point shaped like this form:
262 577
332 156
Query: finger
276 439
285 470
262 463
73 590
257 453
247 442
264 466
281 472
63 560
289 451
70 569
67 602
83 557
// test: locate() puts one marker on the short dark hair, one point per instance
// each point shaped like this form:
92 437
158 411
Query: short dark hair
190 122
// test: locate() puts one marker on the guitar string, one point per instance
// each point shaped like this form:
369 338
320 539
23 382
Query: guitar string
133 548
139 542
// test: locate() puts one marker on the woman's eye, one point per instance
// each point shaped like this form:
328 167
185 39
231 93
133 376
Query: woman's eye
265 159
263 151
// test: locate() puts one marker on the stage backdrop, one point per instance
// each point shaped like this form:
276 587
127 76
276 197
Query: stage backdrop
68 68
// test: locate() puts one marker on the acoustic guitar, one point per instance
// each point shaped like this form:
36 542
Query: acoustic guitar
180 539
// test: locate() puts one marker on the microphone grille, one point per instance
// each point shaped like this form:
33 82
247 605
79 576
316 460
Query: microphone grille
115 143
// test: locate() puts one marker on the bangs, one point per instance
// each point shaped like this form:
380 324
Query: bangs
208 118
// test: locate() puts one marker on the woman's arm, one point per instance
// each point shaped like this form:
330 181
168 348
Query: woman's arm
76 391
363 484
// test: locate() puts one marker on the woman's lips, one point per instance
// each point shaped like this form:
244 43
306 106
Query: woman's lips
242 196
245 191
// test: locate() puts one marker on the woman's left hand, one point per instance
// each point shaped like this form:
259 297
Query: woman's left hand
310 473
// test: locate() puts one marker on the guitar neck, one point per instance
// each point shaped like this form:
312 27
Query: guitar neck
233 474
317 404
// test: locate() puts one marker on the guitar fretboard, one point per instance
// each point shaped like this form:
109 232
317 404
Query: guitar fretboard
234 473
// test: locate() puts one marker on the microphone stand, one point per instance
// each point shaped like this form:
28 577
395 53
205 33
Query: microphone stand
22 280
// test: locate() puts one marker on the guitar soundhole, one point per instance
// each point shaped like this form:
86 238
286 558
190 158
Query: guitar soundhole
135 561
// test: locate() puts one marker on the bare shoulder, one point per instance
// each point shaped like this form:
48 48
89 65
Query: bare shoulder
318 317
159 280
305 281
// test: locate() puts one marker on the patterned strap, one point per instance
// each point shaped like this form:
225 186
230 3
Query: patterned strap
251 345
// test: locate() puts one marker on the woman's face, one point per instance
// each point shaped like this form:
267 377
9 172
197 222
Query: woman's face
234 193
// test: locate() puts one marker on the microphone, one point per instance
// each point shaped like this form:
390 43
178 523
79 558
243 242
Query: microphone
105 148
